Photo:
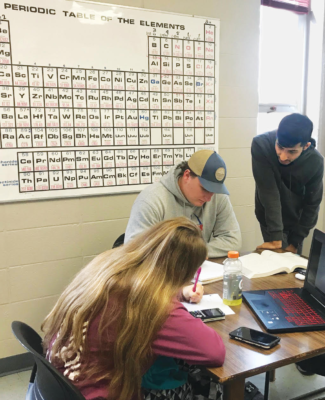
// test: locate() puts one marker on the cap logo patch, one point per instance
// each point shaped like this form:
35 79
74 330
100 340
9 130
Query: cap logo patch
220 174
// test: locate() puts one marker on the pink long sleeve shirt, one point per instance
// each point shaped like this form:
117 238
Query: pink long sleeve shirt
182 336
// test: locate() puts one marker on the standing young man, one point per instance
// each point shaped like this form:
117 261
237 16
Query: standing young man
194 189
288 172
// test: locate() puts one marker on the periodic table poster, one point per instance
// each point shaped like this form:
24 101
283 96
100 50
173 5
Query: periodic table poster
100 99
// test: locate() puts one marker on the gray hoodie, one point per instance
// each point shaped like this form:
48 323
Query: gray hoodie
164 200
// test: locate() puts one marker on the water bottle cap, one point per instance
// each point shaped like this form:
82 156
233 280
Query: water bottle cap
233 254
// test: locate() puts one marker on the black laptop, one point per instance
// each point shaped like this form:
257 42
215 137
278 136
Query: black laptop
291 310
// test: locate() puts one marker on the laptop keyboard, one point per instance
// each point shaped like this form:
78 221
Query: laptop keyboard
298 312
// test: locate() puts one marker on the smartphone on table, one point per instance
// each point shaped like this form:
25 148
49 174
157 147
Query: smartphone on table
211 314
255 338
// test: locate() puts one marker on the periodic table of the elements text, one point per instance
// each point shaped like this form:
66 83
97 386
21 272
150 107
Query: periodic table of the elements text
68 129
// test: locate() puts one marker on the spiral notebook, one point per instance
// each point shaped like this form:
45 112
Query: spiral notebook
210 272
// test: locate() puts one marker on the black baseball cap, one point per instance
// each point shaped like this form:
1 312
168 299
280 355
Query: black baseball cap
293 129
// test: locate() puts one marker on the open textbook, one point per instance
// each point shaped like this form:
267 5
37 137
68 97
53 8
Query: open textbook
270 263
210 272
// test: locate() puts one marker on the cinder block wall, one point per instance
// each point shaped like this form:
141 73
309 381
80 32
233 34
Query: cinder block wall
43 244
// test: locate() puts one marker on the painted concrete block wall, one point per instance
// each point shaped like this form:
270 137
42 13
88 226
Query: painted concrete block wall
43 244
320 225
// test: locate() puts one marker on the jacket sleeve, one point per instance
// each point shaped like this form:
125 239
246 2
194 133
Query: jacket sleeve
187 338
312 200
226 234
143 215
268 192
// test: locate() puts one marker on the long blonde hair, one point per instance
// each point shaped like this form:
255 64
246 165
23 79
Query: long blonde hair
145 275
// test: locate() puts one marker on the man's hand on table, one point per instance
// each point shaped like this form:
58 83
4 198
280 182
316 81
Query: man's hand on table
193 297
276 244
291 248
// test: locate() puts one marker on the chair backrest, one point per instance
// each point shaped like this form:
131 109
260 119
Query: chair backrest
119 241
49 383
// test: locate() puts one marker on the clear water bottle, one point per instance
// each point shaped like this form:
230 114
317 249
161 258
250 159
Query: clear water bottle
232 279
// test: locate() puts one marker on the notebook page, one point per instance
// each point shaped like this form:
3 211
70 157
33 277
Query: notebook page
210 272
209 301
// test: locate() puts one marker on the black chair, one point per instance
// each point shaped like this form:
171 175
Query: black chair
119 241
46 382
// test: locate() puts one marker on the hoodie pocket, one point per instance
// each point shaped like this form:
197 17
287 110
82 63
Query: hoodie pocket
291 204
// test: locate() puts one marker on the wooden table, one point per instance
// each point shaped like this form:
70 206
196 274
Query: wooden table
243 360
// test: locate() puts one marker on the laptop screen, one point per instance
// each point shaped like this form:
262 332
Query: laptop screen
320 274
315 278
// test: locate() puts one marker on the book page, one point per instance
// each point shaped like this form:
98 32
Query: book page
270 263
286 260
256 266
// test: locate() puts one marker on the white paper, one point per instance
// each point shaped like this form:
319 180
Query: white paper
209 301
210 272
